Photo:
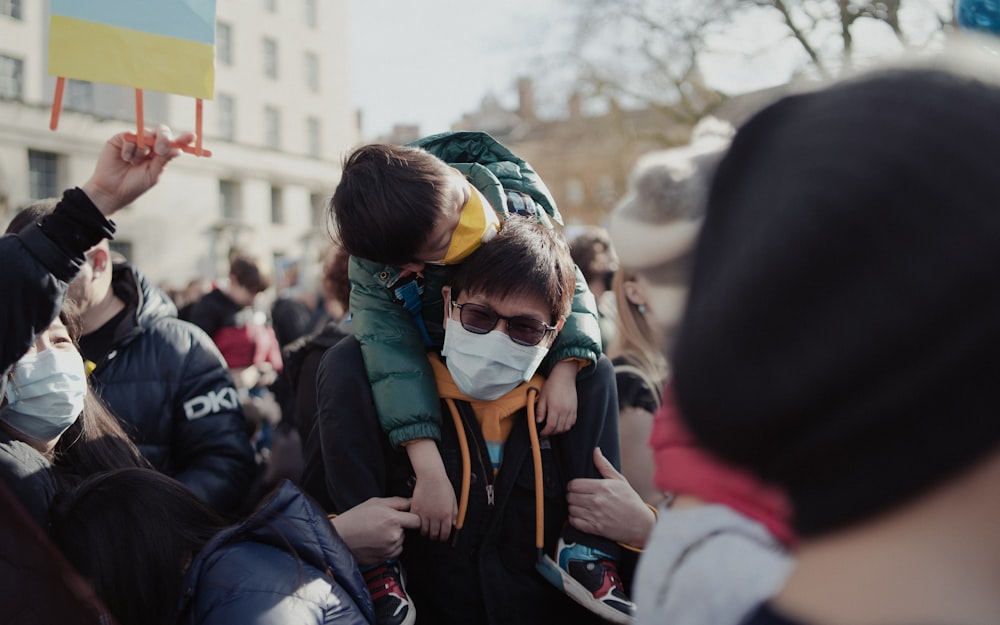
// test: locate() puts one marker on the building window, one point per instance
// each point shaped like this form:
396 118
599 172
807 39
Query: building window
277 205
224 43
311 17
272 127
79 96
314 137
43 174
318 202
229 199
606 190
225 107
312 72
270 58
12 9
11 77
575 193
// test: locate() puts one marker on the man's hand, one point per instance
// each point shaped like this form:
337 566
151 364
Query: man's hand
124 171
609 507
373 530
557 399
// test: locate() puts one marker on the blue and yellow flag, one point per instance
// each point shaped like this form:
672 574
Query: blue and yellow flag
164 45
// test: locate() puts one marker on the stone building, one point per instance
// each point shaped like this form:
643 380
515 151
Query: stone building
278 126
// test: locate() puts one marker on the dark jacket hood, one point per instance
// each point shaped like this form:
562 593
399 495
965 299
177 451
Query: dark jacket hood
147 301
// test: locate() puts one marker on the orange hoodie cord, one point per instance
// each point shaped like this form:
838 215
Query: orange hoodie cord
536 456
463 445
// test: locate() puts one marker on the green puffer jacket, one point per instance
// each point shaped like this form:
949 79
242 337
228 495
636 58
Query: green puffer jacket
403 386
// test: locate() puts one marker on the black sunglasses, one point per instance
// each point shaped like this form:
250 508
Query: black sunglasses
480 319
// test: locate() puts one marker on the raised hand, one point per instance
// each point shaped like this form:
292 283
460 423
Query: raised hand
124 171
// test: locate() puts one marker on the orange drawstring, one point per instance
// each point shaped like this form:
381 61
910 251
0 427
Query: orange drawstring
463 445
536 456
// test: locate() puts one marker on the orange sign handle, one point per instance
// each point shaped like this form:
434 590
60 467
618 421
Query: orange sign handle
148 139
57 103
140 123
197 127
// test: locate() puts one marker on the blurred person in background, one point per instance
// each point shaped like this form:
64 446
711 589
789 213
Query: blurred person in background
640 373
594 254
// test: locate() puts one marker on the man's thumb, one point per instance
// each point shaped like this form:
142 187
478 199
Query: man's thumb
398 503
604 466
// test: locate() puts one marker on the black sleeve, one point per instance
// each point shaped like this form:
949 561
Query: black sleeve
205 316
634 391
37 263
352 447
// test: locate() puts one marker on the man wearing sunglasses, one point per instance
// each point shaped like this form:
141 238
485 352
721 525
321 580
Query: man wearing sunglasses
504 307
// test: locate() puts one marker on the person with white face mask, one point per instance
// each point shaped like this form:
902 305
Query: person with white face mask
53 430
508 551
45 390
37 263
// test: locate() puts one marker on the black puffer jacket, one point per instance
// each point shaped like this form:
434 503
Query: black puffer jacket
36 264
170 388
29 476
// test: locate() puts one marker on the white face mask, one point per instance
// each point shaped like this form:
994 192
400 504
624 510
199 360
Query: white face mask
487 366
45 393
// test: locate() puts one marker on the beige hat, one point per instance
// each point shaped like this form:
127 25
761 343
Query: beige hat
658 220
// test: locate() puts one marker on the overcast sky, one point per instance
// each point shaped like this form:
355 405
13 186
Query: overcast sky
429 61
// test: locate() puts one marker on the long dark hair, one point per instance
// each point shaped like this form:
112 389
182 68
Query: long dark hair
133 532
96 441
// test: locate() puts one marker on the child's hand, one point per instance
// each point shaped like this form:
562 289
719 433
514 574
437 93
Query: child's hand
557 400
434 501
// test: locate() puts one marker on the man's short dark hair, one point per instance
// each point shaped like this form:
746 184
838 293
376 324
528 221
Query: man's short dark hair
388 201
524 259
30 213
246 271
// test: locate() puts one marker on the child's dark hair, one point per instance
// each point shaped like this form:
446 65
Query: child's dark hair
524 258
132 532
388 201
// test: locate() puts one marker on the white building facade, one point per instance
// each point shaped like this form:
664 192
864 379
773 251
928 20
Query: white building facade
278 128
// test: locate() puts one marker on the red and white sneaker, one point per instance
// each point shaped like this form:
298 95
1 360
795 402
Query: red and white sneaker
386 583
591 579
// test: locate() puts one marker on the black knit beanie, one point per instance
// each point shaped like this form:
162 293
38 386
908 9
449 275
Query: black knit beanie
842 333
